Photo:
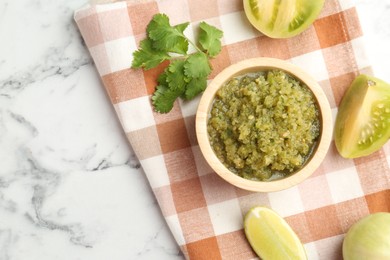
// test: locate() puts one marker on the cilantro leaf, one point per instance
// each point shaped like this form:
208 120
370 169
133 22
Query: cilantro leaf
210 39
197 65
148 57
162 78
181 46
175 75
165 37
194 87
186 75
181 27
164 98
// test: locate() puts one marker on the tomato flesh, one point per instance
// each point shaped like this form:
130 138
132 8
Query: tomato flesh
282 19
363 119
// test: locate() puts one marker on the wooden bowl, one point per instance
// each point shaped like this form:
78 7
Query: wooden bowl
257 65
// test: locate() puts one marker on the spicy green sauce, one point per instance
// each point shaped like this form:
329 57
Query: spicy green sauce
263 125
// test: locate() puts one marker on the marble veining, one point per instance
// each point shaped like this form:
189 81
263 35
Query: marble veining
70 185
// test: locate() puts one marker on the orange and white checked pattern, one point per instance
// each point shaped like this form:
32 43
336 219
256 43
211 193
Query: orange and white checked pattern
204 212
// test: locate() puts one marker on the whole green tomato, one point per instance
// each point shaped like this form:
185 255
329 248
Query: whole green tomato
369 238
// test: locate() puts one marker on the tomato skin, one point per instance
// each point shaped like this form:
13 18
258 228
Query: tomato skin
362 124
282 18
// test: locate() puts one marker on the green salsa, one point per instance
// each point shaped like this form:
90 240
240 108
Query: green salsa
264 125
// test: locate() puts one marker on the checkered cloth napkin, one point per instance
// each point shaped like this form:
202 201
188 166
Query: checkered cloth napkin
205 213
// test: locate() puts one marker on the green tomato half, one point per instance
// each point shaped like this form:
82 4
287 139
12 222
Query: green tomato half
363 119
282 18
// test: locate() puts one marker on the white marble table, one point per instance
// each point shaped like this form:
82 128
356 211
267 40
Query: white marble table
70 185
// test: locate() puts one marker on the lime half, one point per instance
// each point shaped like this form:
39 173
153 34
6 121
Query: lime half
271 237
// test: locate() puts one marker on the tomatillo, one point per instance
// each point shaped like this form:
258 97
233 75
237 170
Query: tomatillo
282 19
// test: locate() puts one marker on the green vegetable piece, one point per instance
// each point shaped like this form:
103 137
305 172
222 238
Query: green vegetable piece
363 120
282 19
165 37
210 39
369 238
194 87
147 57
164 98
197 65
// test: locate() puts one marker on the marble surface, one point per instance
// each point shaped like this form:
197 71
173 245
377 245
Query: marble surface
70 185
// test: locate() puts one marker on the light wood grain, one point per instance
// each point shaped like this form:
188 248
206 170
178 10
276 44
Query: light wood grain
256 65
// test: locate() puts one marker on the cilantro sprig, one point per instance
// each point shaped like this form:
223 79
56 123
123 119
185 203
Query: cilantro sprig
186 75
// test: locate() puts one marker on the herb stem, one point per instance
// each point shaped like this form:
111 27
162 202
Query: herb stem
193 44
181 57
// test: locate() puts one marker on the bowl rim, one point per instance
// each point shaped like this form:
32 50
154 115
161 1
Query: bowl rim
263 64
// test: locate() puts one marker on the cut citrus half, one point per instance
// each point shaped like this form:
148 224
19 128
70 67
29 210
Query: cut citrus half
271 237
